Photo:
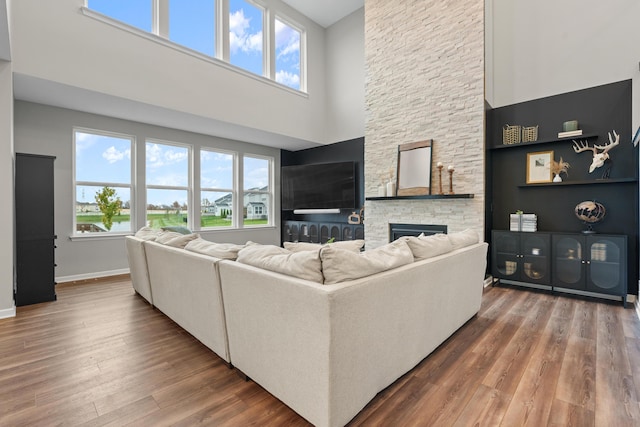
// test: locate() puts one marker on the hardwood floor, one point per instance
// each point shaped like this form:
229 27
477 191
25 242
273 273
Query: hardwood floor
102 356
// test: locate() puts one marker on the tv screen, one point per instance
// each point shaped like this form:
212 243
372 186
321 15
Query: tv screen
319 186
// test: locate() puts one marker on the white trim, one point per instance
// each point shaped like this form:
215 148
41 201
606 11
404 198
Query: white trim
8 312
87 276
100 236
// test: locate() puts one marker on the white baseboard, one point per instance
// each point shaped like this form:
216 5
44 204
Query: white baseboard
8 312
88 276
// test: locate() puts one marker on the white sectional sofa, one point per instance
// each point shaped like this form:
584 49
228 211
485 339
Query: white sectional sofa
327 350
304 327
138 267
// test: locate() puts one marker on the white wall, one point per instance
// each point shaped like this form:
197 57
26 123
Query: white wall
53 40
48 130
7 307
548 47
345 78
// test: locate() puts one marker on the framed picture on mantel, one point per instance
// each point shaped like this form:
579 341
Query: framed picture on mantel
539 167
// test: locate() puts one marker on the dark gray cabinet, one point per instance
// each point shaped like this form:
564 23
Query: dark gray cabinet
35 237
320 232
585 264
591 263
521 257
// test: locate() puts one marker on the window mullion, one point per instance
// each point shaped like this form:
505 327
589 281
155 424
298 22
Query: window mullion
222 30
161 18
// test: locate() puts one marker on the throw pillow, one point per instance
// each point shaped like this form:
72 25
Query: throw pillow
424 247
463 238
181 230
351 245
218 250
147 233
179 241
303 265
339 265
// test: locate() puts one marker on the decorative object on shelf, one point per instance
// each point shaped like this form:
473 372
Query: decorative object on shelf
570 125
356 218
530 133
440 166
559 167
414 169
590 212
599 158
539 167
521 221
511 134
450 169
569 129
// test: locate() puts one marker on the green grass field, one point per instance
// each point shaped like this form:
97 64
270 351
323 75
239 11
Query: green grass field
169 220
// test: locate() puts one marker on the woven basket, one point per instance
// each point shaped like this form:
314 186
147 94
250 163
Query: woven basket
510 134
530 133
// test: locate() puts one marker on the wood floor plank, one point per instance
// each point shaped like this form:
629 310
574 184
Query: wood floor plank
102 356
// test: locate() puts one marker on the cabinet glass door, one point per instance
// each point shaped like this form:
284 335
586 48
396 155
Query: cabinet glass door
505 254
606 264
568 265
535 258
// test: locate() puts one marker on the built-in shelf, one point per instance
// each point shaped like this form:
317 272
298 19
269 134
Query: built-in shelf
543 141
585 182
424 197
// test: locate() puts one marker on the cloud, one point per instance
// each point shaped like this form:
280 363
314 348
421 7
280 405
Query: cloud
162 155
256 178
287 40
287 78
112 154
240 36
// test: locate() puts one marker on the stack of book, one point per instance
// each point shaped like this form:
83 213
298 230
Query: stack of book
523 222
570 133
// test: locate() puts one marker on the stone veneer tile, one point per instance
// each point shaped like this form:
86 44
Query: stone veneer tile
424 79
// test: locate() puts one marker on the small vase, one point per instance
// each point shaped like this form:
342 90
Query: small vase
557 178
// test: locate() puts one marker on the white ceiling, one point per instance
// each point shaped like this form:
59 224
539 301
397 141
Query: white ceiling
325 12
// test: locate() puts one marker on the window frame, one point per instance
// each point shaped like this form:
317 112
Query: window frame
159 34
233 190
189 188
132 183
270 192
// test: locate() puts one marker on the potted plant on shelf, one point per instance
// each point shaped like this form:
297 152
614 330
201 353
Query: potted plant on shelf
559 167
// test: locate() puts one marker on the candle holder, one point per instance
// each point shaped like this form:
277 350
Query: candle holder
451 169
440 177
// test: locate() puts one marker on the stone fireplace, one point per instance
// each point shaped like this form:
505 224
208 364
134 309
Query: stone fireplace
399 230
425 80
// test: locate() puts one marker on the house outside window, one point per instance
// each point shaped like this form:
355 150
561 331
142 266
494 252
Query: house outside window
102 164
257 190
217 171
169 188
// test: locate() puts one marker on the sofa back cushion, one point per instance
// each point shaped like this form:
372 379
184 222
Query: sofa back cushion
464 238
339 265
351 245
303 265
218 250
147 233
175 239
424 247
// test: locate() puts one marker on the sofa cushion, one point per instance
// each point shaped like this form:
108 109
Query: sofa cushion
218 250
175 239
424 247
178 229
339 265
351 245
303 265
147 233
463 238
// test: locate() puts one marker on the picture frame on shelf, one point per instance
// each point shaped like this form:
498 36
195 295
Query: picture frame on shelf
539 167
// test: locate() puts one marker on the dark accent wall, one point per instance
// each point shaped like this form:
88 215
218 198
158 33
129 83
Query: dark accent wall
350 150
599 110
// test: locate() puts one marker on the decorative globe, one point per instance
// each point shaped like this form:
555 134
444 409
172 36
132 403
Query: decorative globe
590 211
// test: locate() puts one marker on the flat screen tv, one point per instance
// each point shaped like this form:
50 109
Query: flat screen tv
319 186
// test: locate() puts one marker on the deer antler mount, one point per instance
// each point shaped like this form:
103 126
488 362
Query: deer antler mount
599 157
